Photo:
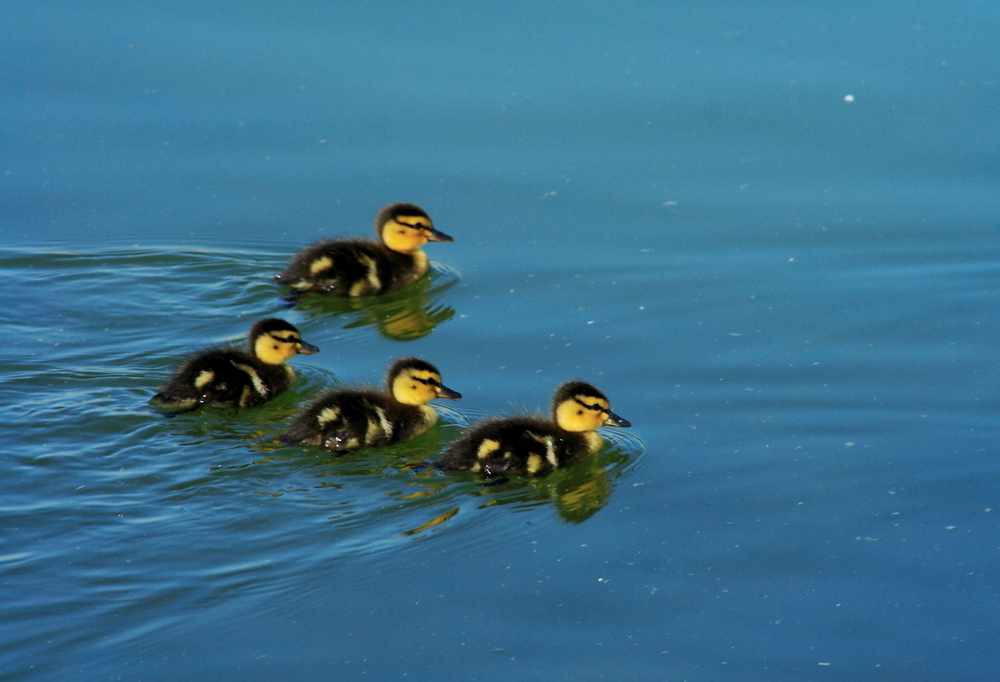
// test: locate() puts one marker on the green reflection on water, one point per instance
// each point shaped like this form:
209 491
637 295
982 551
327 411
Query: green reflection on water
405 315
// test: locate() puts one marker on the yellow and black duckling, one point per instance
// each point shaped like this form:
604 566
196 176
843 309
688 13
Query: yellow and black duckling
362 267
231 377
534 446
345 420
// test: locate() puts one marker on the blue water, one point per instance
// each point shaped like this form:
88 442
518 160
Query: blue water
769 234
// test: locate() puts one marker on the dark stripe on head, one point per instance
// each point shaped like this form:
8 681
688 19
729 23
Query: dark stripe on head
395 210
403 364
571 389
269 326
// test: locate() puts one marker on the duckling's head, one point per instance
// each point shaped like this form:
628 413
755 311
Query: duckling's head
275 341
413 381
406 227
578 406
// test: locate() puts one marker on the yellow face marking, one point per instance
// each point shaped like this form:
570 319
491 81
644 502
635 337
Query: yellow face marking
534 464
582 413
487 447
276 348
475 468
245 396
320 264
204 378
405 234
329 414
416 387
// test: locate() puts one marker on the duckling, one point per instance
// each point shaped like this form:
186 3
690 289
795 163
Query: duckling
534 446
230 377
345 420
362 267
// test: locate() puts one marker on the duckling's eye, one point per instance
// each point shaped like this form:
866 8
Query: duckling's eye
595 407
414 226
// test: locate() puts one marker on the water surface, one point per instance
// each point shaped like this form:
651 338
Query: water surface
791 296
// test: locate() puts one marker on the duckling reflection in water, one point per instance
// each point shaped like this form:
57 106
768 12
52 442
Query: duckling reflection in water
400 316
534 446
346 420
363 267
230 377
410 323
579 493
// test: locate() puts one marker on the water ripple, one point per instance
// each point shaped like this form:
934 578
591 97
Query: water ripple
129 510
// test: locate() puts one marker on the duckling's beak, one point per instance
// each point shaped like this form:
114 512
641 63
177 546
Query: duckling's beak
436 236
448 393
614 420
307 348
